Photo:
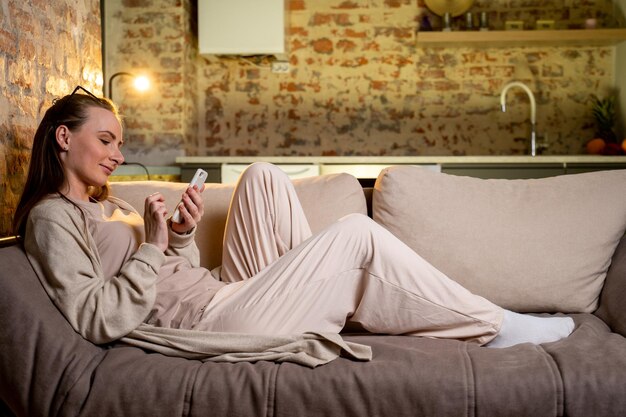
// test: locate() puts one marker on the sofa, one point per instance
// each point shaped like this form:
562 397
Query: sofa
546 246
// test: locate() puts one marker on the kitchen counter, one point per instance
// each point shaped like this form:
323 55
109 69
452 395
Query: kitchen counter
139 172
480 159
366 168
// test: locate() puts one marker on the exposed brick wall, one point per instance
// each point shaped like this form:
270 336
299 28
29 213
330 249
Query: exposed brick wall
190 120
156 38
47 47
359 84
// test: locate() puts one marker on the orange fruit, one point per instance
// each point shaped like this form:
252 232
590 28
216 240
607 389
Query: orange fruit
624 145
595 146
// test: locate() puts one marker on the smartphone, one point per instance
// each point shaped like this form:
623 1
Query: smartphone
198 179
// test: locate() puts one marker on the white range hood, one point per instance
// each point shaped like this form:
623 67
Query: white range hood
242 27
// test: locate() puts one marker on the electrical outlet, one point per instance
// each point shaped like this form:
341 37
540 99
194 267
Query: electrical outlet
280 67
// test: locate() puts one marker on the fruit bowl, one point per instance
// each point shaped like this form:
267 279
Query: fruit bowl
598 146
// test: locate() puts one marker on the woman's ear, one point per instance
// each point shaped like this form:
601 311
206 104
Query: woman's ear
62 136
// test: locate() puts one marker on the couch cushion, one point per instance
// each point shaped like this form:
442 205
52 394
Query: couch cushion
48 369
582 375
44 364
527 245
324 199
612 307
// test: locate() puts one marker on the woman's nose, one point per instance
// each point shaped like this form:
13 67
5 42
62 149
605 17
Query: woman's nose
118 157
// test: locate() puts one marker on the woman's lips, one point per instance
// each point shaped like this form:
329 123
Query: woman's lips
108 170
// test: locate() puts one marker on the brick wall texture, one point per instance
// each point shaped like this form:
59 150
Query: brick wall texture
359 84
154 38
46 49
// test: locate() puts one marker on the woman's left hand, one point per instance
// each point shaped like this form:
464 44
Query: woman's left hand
191 210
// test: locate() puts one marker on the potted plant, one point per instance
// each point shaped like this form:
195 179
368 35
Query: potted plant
605 140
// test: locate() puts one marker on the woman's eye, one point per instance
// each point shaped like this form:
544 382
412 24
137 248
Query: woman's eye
106 142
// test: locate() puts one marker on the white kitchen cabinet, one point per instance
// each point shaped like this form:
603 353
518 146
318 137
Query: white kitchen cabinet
231 172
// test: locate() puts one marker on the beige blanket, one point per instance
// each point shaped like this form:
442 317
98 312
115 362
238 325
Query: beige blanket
309 349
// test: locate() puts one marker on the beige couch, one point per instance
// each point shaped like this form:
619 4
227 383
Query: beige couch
549 245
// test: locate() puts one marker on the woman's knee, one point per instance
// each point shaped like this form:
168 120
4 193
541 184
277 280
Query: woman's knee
358 223
363 227
356 218
261 170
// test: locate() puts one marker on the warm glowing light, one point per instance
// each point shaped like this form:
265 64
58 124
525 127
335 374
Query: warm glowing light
99 80
141 83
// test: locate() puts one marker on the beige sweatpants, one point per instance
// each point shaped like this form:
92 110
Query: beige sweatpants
282 280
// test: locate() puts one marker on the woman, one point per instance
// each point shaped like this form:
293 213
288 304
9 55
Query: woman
108 270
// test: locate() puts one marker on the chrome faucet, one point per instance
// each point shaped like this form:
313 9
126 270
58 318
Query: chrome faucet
533 111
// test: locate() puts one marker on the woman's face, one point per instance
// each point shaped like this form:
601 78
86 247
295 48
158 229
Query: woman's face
93 152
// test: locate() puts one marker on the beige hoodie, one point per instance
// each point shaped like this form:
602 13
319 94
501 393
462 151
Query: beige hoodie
102 309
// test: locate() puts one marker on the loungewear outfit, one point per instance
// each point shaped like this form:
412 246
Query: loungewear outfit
276 277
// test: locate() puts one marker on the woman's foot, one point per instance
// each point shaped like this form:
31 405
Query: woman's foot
522 328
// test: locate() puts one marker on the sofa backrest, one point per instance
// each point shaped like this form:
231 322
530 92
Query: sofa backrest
612 309
45 364
324 199
541 245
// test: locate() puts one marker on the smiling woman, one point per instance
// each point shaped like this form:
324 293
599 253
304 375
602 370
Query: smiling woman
54 167
76 148
91 153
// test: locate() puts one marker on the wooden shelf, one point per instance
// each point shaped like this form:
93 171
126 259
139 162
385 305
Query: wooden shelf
499 38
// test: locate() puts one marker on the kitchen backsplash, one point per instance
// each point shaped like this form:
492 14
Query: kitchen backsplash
358 84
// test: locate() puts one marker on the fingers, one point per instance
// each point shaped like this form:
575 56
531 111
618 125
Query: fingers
155 206
189 219
154 221
196 196
191 210
188 222
193 203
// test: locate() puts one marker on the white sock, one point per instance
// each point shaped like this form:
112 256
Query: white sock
523 328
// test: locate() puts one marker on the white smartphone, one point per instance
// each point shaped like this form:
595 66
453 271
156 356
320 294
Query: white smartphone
198 179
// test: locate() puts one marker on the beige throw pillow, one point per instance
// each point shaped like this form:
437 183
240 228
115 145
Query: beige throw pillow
539 245
324 199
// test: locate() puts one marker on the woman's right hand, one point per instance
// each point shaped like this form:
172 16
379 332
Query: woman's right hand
154 221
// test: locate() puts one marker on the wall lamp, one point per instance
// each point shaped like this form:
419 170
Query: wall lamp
140 82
